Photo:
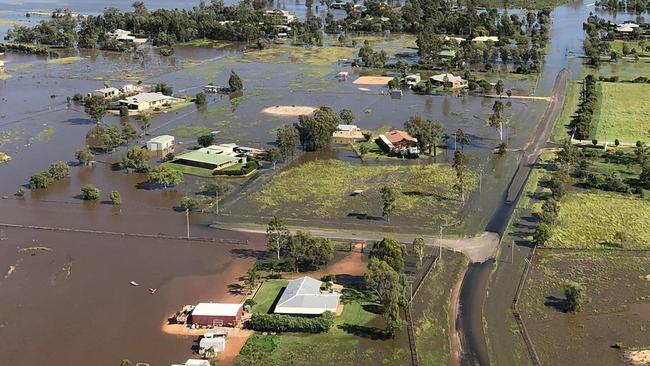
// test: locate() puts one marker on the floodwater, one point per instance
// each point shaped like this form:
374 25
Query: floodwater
38 126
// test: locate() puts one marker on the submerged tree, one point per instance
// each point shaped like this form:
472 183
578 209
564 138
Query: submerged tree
388 198
234 82
576 296
95 107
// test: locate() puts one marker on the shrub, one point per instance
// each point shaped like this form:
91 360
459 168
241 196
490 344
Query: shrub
20 192
616 142
115 197
249 302
77 98
59 170
90 193
169 157
328 278
124 111
594 142
205 140
286 323
40 180
189 203
201 99
246 169
576 296
84 156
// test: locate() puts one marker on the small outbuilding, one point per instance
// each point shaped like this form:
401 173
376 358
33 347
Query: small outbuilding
211 314
161 145
218 344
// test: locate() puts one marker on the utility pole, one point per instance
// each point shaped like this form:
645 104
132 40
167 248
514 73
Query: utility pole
480 179
440 243
512 252
217 202
187 220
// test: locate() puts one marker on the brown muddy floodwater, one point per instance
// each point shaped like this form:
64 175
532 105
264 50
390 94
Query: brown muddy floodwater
74 305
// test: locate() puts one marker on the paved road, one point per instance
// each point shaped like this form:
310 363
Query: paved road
534 148
478 248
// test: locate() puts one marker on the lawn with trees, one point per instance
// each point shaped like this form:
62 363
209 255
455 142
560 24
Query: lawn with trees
323 189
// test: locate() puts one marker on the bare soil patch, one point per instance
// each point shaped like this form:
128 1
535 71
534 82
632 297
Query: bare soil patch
288 110
372 80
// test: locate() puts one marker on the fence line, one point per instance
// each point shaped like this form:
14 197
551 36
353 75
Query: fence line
515 310
115 233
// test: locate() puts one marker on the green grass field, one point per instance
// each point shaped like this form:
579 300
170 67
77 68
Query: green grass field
351 341
266 295
561 129
624 112
617 46
323 189
431 310
591 219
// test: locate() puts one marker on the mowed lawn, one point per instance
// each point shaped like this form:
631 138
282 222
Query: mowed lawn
267 294
592 219
323 189
624 112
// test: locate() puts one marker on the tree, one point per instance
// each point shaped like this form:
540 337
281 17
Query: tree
644 177
59 170
559 182
105 139
308 252
95 107
499 87
277 234
205 140
164 88
90 193
40 180
200 99
363 150
128 131
576 296
388 285
126 363
135 158
347 116
235 82
165 176
218 187
124 111
145 121
460 167
388 198
287 139
418 248
189 203
542 234
391 252
115 197
462 138
496 119
428 132
252 276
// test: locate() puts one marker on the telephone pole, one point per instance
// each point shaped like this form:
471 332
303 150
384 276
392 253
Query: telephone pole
187 220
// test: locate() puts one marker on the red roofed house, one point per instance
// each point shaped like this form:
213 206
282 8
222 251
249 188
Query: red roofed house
398 142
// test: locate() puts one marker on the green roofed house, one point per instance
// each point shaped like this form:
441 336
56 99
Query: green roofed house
214 157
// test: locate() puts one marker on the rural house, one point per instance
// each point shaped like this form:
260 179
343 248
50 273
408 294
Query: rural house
303 296
347 134
448 80
398 142
215 157
146 101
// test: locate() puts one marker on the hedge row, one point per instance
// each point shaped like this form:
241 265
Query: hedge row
582 121
249 167
286 323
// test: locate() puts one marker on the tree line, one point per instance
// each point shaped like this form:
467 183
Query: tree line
583 118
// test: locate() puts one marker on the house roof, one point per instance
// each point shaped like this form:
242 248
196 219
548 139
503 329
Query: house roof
195 362
107 90
486 39
148 97
208 155
303 296
347 127
216 309
161 139
450 77
395 136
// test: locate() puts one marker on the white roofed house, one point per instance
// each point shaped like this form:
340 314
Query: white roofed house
303 296
347 134
486 39
145 101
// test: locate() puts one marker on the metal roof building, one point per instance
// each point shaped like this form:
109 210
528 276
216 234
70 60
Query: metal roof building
303 296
